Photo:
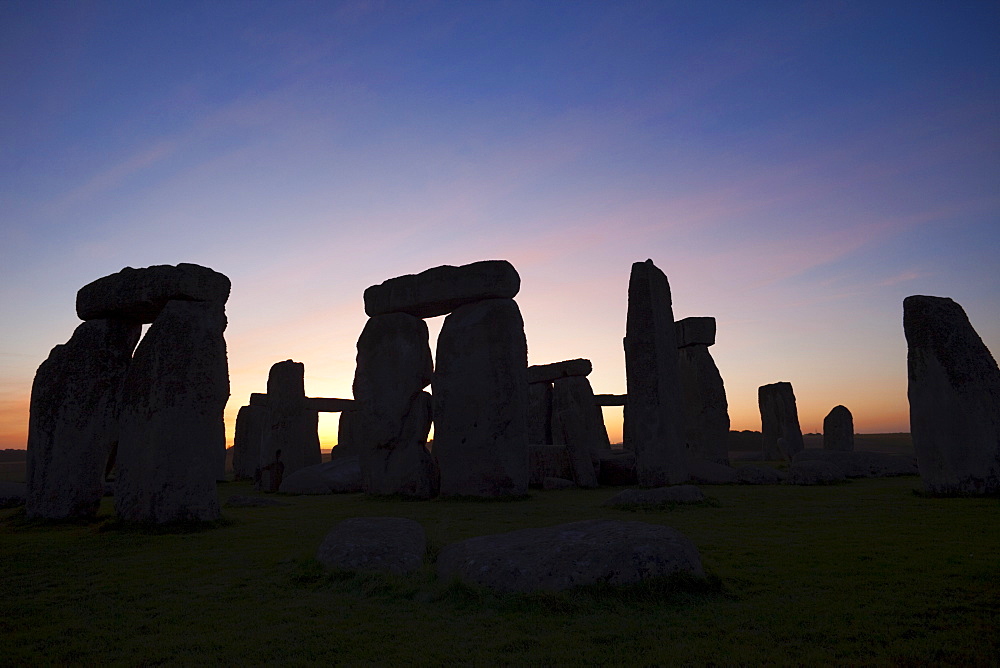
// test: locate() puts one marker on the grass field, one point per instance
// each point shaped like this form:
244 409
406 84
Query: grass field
860 573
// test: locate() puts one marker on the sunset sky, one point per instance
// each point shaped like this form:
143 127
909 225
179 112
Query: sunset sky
795 168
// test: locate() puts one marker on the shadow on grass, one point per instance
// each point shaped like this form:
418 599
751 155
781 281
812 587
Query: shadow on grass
114 524
926 494
668 506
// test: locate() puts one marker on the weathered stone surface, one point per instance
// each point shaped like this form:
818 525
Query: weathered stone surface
337 476
558 483
250 421
954 395
711 473
838 430
580 423
814 472
779 418
548 461
706 410
73 424
697 331
540 413
388 544
350 435
617 468
610 399
547 373
394 365
861 464
139 295
480 392
654 415
238 501
657 496
759 475
172 429
290 427
13 494
570 555
441 290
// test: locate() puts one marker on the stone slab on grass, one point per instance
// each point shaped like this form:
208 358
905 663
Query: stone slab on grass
388 544
814 473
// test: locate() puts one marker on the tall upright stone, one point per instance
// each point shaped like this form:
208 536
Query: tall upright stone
578 419
540 414
654 415
780 432
291 426
480 389
954 395
394 365
171 423
250 423
838 430
73 424
706 410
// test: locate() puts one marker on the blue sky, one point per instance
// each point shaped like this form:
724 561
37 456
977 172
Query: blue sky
796 169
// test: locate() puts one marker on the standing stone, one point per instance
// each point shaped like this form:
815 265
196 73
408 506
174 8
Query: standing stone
394 365
350 437
580 421
172 427
250 423
654 416
838 430
540 413
779 419
706 410
73 425
954 394
291 425
480 392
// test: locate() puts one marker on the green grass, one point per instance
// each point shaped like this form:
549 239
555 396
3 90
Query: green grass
863 573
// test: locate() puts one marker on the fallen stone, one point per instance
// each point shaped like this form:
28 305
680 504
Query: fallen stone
73 425
237 501
759 475
548 461
13 494
570 555
441 290
654 416
617 469
480 390
138 295
386 544
547 373
838 430
695 331
711 473
337 476
656 497
558 483
861 464
780 431
814 472
172 429
954 395
706 410
610 399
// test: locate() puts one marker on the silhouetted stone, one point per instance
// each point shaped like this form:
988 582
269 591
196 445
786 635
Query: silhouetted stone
291 426
706 410
73 422
617 468
548 461
480 392
838 430
954 395
337 476
779 418
570 555
394 365
12 494
814 472
350 435
578 419
610 399
540 413
258 399
695 331
711 473
329 404
172 429
250 423
657 496
546 373
861 464
441 290
654 417
140 294
558 483
387 544
759 475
